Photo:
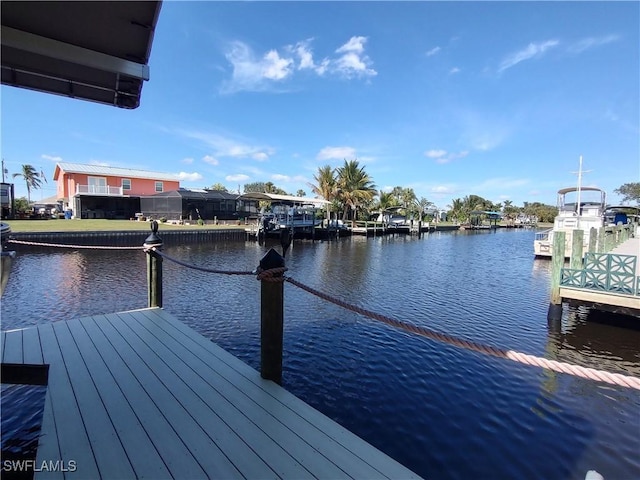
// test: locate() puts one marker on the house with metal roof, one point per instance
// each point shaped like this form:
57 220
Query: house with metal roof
95 191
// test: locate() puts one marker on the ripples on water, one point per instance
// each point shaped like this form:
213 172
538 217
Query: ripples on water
442 411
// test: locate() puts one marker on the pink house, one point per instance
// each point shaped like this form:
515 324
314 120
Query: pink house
94 191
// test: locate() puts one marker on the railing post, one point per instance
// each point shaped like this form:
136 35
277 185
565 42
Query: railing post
577 246
271 318
593 239
557 261
154 268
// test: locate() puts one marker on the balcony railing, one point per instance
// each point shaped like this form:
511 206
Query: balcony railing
99 190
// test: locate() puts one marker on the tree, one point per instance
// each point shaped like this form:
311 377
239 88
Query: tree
355 187
630 192
423 204
31 178
218 186
301 193
255 187
22 205
325 185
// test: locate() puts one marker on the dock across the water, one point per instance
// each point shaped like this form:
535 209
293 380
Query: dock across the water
139 394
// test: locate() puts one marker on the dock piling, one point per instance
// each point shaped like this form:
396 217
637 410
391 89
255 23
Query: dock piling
154 267
271 318
557 261
577 244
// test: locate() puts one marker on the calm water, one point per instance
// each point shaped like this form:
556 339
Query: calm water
444 412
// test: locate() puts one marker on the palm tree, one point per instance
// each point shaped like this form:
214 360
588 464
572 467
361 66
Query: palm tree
423 204
355 187
31 178
325 185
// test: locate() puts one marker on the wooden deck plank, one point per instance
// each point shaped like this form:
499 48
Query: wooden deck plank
71 434
175 454
171 404
12 352
345 448
145 458
257 441
3 337
263 411
31 349
48 447
163 386
111 458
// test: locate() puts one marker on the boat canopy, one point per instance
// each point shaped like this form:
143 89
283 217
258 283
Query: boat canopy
287 199
564 191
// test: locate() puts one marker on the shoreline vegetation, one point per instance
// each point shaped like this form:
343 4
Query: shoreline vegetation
100 225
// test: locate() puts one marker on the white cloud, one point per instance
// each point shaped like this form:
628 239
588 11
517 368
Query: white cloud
353 62
503 183
433 51
227 147
340 153
454 70
441 190
210 160
442 156
190 177
51 157
533 50
280 178
188 160
590 42
240 177
274 67
252 72
435 153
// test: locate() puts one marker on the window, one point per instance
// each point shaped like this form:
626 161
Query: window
126 184
159 187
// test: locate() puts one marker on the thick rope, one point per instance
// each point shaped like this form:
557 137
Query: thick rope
201 269
562 367
63 245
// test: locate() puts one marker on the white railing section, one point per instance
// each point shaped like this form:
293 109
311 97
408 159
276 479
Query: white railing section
99 190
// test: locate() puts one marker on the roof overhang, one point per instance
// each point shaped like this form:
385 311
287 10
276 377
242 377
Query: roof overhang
96 51
290 199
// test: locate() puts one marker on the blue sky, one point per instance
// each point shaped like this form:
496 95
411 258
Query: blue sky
449 98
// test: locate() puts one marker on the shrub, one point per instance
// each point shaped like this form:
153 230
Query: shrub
200 222
163 219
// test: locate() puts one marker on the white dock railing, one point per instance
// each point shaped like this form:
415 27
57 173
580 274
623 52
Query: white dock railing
99 190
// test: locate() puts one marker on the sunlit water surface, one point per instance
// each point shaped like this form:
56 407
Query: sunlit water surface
445 412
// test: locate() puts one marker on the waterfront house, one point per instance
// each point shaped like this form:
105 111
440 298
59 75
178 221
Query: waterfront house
95 191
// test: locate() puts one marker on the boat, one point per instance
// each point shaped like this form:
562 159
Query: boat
579 208
297 214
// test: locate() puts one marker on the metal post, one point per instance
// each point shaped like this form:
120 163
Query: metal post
557 262
154 268
576 249
271 318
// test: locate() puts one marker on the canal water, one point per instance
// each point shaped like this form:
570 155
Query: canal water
445 412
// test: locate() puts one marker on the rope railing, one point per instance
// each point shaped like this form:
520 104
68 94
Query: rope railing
65 245
561 367
277 275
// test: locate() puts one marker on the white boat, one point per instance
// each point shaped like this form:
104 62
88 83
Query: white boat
579 208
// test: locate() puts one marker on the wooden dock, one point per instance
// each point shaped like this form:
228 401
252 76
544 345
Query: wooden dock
141 395
610 281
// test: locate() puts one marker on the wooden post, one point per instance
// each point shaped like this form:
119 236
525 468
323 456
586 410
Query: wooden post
557 262
593 239
271 319
576 249
154 268
601 236
609 241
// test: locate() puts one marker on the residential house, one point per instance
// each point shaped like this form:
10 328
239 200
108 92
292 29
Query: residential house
95 191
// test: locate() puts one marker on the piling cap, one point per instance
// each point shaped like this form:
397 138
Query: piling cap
271 259
153 240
